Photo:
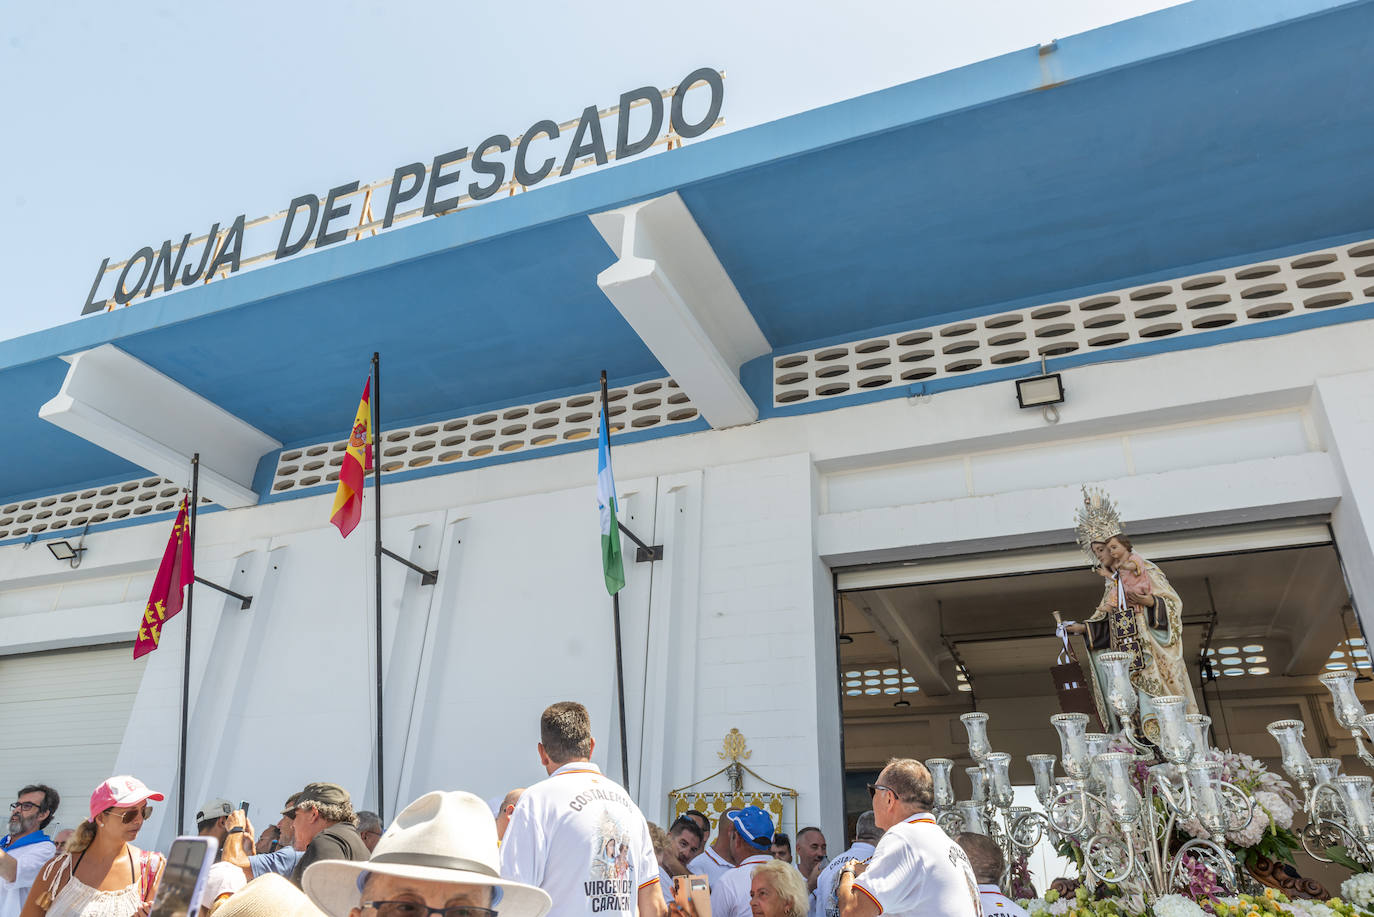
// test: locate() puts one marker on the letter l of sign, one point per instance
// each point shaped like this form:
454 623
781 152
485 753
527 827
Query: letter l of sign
91 304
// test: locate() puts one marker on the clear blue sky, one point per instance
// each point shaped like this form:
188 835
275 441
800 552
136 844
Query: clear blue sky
132 122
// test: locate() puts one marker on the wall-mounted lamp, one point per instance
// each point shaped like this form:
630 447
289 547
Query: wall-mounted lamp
1040 391
1043 391
65 550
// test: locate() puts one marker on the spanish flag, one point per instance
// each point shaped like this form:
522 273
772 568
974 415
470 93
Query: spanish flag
348 499
175 573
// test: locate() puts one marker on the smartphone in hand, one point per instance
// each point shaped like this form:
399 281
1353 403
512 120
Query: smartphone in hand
697 890
183 879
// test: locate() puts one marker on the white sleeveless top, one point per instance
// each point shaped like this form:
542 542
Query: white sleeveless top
77 899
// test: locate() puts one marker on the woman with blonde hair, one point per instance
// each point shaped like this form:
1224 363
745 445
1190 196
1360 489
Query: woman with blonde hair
101 873
777 890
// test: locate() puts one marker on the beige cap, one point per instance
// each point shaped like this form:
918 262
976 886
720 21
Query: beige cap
269 895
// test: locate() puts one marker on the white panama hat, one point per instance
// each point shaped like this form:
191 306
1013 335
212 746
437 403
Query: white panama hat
440 837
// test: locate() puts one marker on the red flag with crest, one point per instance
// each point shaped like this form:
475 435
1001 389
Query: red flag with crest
357 461
176 572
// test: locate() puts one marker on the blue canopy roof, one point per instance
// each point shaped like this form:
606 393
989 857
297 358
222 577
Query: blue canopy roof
1202 133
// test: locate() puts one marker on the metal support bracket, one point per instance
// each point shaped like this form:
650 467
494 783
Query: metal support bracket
644 553
245 600
427 577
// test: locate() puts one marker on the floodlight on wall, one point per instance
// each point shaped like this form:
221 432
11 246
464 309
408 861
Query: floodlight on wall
1043 391
1040 391
64 550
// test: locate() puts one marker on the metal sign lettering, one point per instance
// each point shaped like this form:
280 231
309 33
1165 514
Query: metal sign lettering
464 176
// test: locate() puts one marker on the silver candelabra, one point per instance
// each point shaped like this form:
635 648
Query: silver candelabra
1125 835
1338 808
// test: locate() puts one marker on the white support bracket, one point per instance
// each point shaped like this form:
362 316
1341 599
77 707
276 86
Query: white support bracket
670 286
123 405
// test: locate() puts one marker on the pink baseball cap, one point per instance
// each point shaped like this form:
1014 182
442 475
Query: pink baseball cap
121 791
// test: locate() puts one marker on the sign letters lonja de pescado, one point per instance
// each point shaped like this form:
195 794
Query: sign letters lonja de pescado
466 175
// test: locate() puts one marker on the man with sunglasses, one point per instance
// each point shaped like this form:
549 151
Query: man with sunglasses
280 859
26 848
916 868
324 824
439 857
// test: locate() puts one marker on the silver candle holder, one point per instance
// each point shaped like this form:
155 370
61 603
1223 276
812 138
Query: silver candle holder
1124 832
1338 807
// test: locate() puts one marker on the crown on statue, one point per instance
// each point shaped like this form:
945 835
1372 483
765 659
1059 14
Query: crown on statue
1097 520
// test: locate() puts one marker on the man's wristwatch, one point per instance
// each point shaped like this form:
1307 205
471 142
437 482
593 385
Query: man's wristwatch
236 830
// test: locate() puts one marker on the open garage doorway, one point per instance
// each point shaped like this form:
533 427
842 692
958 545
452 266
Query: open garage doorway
1266 610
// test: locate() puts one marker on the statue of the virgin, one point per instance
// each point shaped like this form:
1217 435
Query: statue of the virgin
1140 614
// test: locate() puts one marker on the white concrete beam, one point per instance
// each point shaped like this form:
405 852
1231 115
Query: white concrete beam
123 405
671 288
917 632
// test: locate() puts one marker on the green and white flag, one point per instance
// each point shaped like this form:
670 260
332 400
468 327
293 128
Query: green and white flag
612 564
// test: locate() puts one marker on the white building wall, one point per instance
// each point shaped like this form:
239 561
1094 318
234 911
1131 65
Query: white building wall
733 629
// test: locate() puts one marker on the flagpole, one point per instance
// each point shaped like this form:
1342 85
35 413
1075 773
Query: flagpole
615 606
377 509
186 656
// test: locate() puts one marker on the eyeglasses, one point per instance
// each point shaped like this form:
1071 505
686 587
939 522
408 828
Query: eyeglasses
25 805
144 813
415 909
873 789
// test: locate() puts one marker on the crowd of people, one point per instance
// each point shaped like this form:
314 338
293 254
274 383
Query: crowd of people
573 844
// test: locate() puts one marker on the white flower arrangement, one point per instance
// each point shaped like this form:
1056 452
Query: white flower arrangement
1301 907
1177 906
1274 805
1359 890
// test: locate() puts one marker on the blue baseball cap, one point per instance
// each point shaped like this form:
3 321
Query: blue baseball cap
754 825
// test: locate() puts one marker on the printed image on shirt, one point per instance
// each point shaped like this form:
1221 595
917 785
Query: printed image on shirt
610 885
960 861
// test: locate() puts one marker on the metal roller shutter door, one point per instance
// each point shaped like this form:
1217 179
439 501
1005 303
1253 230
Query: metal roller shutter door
63 715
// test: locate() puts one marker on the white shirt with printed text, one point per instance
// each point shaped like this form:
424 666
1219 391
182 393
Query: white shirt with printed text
580 837
917 869
996 904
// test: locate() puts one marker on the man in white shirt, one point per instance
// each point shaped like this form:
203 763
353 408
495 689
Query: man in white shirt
988 863
715 861
26 848
751 844
916 868
866 836
578 835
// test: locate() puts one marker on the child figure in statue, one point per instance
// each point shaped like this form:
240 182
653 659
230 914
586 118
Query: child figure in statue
1128 566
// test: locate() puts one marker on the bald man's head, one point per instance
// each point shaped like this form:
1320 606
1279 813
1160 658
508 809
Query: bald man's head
507 807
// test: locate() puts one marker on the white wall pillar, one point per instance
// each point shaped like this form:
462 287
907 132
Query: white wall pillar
1344 409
